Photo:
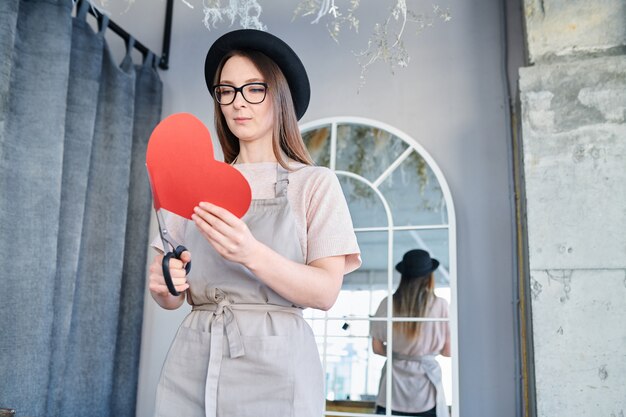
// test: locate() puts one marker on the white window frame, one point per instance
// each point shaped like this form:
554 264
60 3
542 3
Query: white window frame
413 145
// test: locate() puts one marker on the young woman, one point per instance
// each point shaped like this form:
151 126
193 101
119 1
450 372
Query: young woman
245 350
416 375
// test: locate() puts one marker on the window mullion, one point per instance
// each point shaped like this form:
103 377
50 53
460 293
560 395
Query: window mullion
389 351
333 146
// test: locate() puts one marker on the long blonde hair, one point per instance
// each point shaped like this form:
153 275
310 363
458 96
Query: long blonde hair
413 298
286 135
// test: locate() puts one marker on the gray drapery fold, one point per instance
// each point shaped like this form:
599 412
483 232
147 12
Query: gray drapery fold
91 344
74 212
8 23
148 93
82 101
31 159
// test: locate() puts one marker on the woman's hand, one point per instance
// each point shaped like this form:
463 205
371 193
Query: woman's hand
157 285
227 233
379 347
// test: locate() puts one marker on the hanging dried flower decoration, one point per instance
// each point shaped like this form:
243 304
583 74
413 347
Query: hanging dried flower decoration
385 44
328 9
247 12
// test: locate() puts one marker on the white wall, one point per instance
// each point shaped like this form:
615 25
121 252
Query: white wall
451 99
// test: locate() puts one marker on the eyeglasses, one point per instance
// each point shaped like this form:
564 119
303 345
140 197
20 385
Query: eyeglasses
253 93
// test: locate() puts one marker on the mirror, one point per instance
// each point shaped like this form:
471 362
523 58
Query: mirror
397 204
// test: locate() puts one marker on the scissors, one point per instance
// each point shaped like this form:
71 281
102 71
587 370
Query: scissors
168 241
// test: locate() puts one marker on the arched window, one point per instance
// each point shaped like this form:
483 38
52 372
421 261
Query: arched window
399 200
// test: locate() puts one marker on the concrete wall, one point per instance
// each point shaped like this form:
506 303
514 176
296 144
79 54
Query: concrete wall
561 28
451 99
574 138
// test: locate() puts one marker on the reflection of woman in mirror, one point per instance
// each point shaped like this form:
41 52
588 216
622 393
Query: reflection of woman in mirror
416 376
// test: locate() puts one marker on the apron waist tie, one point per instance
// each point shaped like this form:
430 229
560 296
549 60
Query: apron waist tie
224 321
433 373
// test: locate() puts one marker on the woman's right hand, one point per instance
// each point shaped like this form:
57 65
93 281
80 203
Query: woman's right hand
157 285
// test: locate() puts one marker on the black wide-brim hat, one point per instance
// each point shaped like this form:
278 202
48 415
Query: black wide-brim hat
275 49
417 263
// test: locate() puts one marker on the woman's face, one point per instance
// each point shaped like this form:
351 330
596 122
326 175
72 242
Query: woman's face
248 122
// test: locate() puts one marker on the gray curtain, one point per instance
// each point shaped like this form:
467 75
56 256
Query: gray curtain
74 212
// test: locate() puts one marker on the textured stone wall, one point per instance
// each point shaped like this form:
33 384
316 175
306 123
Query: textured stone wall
564 27
574 148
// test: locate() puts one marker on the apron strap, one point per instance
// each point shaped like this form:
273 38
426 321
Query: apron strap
282 181
433 373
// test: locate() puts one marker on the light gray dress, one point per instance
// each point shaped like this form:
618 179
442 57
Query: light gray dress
243 350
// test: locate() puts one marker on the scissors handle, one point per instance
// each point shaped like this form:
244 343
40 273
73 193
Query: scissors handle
166 267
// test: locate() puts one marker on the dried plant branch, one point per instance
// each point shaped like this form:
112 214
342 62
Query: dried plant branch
387 45
384 44
329 11
247 12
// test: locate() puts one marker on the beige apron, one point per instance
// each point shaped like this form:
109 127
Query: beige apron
432 371
243 350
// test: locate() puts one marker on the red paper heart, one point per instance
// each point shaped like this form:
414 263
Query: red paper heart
183 170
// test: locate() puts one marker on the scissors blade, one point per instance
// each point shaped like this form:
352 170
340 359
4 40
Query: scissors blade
155 196
165 238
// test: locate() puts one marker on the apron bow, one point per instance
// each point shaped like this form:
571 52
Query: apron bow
223 319
433 373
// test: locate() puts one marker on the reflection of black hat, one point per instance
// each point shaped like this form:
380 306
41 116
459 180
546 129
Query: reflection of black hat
275 49
416 263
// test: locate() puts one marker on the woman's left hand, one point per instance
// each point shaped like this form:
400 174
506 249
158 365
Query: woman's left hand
227 233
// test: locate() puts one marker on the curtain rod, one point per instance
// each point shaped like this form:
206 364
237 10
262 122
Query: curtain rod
167 33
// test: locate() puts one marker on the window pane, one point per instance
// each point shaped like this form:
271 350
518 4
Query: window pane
366 150
363 289
357 301
435 242
372 274
317 325
317 142
352 370
366 208
414 194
